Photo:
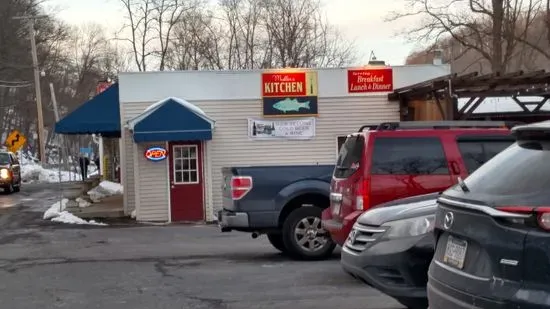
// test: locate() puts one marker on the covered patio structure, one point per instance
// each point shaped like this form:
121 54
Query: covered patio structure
516 96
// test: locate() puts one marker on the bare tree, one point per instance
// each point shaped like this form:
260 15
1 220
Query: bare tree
301 37
140 23
493 30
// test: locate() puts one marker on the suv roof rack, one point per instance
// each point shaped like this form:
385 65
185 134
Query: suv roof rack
369 126
443 124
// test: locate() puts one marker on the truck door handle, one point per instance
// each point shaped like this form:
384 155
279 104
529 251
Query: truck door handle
455 168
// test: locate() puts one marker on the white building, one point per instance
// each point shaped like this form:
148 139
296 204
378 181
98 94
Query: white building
206 120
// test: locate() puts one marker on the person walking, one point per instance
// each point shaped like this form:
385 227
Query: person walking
84 162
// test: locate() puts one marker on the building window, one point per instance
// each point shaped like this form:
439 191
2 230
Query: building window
186 159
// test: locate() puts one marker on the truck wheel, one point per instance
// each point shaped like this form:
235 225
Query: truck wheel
303 236
276 240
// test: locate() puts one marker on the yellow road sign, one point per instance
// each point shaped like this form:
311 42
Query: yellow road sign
15 141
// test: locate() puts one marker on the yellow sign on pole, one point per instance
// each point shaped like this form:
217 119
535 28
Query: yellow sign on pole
15 141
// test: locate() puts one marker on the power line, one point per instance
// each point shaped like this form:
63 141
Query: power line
14 81
15 86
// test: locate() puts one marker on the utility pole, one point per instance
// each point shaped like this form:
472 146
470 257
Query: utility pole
42 143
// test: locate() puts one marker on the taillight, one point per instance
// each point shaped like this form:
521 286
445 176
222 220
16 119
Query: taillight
240 186
542 213
362 189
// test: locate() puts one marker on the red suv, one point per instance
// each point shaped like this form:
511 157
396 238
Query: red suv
400 159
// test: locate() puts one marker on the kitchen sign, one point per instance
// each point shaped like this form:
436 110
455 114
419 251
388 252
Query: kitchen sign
370 80
265 129
156 154
288 93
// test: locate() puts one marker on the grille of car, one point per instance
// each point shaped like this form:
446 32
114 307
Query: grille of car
361 236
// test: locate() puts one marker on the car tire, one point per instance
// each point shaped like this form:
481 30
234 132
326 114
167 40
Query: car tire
303 236
9 189
276 240
414 303
17 189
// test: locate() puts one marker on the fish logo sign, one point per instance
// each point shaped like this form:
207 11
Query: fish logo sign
288 105
156 154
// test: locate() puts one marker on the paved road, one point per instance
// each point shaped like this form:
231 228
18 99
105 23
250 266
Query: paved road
191 267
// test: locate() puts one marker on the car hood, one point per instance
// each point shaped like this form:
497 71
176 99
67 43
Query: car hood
410 207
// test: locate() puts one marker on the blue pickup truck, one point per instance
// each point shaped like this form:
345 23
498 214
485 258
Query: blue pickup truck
283 202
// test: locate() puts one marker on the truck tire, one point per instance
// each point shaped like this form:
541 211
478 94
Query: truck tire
276 240
303 236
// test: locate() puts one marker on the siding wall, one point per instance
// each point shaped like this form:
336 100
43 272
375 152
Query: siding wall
230 146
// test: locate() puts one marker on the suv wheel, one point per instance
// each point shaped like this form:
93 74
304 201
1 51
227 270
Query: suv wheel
303 236
9 189
276 240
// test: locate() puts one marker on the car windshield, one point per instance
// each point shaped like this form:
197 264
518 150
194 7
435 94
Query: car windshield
349 157
520 169
4 159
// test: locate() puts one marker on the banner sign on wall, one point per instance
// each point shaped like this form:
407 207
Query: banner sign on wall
299 128
370 80
287 93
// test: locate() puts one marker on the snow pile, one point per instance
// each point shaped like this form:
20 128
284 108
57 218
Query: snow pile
57 213
34 172
105 189
82 202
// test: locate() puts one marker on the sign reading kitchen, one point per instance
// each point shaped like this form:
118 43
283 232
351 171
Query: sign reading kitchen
370 80
296 128
287 93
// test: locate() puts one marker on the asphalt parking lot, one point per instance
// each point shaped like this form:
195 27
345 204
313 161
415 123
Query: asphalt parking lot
178 266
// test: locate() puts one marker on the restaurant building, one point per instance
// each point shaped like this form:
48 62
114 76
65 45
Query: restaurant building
178 129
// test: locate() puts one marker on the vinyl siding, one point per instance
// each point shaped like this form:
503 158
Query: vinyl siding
230 145
152 186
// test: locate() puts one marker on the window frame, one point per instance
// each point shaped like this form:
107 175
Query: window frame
188 170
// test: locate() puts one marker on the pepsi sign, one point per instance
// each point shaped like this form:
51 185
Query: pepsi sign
156 153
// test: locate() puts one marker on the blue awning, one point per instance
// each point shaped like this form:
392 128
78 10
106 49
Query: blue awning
100 115
171 119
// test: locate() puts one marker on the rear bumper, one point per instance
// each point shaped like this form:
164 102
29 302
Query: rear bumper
230 219
339 230
396 267
443 296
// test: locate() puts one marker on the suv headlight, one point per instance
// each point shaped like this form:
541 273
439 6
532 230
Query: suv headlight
4 173
410 227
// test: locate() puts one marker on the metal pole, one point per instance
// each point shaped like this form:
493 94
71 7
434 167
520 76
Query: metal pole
40 129
61 140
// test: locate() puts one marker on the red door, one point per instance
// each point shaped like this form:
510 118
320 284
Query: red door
186 181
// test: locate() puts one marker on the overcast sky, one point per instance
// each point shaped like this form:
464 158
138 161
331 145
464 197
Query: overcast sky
360 20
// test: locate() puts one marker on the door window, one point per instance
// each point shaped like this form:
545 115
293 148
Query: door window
186 167
476 152
409 156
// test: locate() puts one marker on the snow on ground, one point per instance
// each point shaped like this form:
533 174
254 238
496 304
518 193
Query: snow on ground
33 172
105 189
57 213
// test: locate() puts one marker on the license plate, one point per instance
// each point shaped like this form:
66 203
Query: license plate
336 209
455 252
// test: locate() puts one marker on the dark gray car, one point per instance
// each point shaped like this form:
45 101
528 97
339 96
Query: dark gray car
390 248
492 231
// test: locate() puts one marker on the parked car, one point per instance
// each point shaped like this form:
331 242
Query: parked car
401 159
284 202
10 172
390 248
492 231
